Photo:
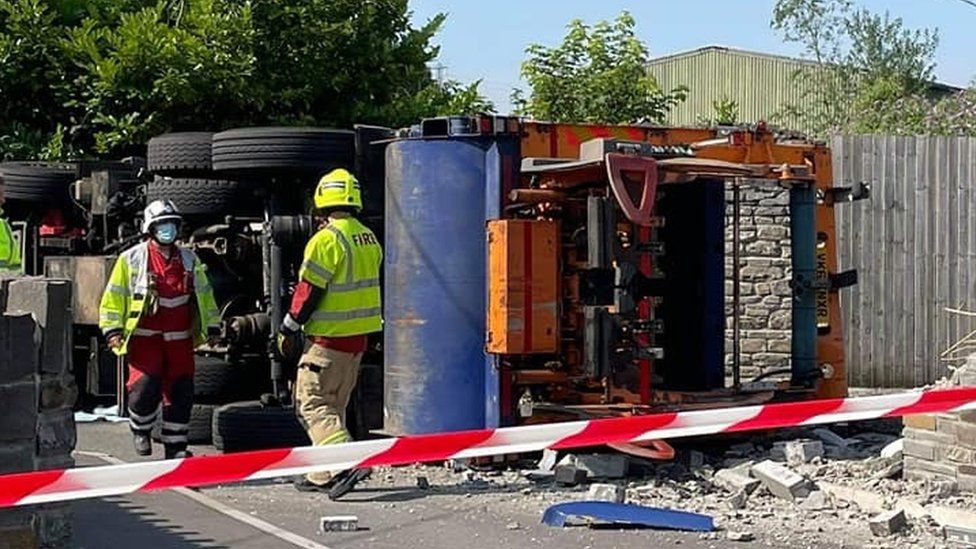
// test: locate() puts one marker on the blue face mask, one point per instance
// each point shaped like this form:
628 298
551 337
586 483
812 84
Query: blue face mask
165 233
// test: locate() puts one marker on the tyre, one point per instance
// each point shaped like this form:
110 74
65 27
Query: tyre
214 381
243 426
38 181
296 150
197 196
201 425
179 153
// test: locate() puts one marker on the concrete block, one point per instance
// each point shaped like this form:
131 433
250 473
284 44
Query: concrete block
921 450
965 483
966 434
929 436
913 465
732 480
888 523
56 434
958 454
17 456
920 421
816 501
58 391
803 451
607 466
739 536
737 500
19 347
606 492
49 300
781 481
946 423
967 469
831 438
569 475
339 523
19 417
549 459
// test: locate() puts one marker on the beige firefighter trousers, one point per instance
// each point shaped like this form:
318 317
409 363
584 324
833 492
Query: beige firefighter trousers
323 385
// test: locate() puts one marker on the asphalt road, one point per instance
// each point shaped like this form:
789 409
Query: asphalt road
390 516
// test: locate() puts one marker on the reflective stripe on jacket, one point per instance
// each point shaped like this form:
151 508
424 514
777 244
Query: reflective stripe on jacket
344 258
9 248
125 294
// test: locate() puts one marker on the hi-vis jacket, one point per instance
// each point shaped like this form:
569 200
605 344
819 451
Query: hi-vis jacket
9 249
344 258
125 295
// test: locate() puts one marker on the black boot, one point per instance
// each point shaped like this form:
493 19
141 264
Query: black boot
344 482
177 451
142 443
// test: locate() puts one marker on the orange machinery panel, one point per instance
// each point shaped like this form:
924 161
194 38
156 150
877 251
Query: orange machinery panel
523 286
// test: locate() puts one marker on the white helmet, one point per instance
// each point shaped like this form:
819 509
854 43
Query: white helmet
159 210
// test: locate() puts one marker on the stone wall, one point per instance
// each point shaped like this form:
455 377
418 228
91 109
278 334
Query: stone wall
766 298
37 389
942 447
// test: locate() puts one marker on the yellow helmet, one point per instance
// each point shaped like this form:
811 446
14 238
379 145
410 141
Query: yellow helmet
338 188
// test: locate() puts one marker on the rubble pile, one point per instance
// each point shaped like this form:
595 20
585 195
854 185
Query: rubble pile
812 487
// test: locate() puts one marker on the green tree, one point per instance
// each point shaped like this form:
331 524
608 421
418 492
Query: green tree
598 74
871 73
102 76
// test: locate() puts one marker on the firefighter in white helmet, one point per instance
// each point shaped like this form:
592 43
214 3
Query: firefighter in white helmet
158 305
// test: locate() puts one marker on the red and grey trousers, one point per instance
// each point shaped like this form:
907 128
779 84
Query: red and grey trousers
161 377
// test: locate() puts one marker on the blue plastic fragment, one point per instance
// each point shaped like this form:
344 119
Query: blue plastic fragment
623 513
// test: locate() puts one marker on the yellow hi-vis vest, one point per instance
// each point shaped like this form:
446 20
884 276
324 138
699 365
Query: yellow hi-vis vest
344 258
9 248
125 294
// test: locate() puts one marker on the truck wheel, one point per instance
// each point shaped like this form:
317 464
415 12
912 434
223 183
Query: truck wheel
38 181
301 150
214 381
243 426
201 425
196 196
182 153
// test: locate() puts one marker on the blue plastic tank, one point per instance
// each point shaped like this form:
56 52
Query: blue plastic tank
434 286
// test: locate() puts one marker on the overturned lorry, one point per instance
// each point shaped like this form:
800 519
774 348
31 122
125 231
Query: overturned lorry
533 272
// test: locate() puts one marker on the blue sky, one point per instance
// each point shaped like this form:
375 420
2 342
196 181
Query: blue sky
486 39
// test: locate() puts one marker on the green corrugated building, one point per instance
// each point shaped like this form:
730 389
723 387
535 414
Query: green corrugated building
760 83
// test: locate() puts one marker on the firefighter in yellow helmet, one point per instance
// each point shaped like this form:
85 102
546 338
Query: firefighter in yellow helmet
336 304
9 246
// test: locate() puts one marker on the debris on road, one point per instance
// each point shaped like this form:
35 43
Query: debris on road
423 483
803 451
606 492
549 460
888 523
339 523
599 466
781 481
627 514
739 536
816 501
833 439
731 480
569 475
513 526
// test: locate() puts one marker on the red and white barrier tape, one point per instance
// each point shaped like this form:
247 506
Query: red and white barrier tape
61 485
